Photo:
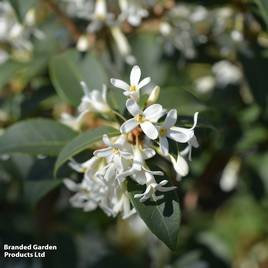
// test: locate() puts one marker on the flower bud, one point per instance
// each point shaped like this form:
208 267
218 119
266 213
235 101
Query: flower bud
123 45
154 95
82 43
30 17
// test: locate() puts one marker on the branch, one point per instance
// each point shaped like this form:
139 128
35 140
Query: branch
70 25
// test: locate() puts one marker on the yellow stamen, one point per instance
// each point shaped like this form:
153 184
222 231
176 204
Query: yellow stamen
139 118
115 151
162 132
133 88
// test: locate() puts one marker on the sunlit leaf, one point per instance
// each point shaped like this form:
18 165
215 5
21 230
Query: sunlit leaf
35 136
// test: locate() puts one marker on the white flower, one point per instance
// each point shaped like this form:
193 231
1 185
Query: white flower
89 193
82 43
100 16
132 12
166 131
115 152
103 184
122 203
152 187
200 13
184 135
205 84
79 8
99 189
188 150
226 73
153 96
93 101
180 166
229 177
144 119
165 28
133 89
70 121
89 168
141 173
139 167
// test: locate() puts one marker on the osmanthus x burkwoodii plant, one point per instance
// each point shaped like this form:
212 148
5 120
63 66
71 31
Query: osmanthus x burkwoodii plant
141 152
125 174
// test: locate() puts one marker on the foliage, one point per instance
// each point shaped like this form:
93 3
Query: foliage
207 56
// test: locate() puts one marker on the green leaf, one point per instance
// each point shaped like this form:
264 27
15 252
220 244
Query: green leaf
35 136
255 72
8 70
21 7
185 102
148 50
81 143
162 217
34 191
69 68
263 8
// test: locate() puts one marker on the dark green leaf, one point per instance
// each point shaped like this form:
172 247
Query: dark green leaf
34 191
263 8
162 217
70 68
182 100
256 74
148 50
35 136
8 70
83 142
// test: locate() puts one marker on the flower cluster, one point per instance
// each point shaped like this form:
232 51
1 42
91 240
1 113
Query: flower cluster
144 135
16 34
102 13
187 26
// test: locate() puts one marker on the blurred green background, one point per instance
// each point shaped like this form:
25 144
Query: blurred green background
207 56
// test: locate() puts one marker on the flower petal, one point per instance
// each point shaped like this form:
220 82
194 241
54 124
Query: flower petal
153 112
194 142
103 152
128 125
164 145
104 93
121 140
180 134
149 129
144 82
118 162
84 87
135 75
106 140
170 119
148 153
71 185
119 84
195 120
133 107
180 165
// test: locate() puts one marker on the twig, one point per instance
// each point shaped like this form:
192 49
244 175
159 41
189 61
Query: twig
70 25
